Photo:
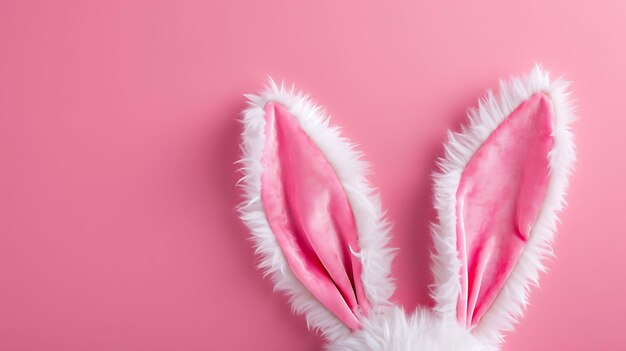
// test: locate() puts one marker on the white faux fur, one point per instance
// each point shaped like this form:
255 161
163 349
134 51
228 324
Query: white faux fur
392 330
373 230
388 328
460 147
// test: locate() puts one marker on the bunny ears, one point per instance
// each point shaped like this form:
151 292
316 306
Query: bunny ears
322 237
501 184
314 218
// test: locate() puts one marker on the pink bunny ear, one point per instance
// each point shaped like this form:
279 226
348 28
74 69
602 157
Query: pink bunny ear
311 212
502 183
497 203
311 217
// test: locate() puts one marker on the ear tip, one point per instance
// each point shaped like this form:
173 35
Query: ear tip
272 87
538 66
539 69
270 80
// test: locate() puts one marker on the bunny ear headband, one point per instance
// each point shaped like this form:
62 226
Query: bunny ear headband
322 237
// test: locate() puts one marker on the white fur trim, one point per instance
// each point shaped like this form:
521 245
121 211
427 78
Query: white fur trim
373 229
392 330
459 149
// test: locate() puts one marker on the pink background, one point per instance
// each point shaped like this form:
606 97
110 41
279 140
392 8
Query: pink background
118 135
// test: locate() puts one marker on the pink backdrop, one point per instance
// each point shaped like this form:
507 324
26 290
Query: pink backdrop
118 135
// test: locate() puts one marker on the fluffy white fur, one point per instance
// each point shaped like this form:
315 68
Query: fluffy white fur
392 330
373 230
460 147
389 328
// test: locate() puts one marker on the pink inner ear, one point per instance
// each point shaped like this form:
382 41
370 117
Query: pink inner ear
498 201
311 217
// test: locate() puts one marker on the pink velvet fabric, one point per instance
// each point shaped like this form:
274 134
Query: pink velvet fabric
498 201
311 217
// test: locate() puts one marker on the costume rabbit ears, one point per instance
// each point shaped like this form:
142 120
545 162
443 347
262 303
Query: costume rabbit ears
322 237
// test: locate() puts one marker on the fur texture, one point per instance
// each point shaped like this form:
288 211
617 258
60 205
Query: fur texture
388 327
373 229
393 330
459 149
